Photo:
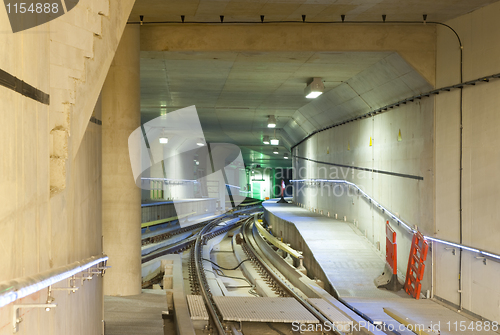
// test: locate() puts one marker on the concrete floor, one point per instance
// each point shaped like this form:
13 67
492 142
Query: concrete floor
351 263
135 315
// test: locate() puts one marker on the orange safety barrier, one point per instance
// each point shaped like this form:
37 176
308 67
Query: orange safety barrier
391 249
416 266
391 256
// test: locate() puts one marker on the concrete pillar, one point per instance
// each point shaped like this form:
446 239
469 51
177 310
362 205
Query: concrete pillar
121 198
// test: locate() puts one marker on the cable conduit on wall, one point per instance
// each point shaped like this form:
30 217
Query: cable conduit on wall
402 175
403 102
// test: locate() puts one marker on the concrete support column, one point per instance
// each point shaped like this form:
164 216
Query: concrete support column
121 198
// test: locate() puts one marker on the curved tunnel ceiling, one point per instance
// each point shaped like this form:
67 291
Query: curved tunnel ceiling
387 81
234 92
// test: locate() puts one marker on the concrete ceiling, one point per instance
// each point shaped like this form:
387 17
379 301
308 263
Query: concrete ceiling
316 10
235 93
389 80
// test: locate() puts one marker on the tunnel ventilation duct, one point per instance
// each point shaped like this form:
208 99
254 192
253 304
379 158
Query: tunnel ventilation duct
314 89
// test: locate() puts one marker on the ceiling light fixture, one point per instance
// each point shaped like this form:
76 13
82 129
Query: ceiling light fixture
314 89
275 151
274 140
266 139
285 156
163 138
271 122
200 142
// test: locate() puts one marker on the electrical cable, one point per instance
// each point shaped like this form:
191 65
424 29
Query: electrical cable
223 268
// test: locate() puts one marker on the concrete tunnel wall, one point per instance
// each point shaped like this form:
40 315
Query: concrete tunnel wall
480 33
50 170
430 147
350 145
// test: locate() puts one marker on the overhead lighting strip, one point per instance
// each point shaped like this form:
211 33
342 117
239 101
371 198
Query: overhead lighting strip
395 218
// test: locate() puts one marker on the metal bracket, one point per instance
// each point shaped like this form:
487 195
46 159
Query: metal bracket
17 319
70 289
453 250
83 277
483 258
99 270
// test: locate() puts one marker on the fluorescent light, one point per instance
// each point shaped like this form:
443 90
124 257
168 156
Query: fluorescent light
313 95
285 156
314 89
266 139
275 141
271 122
163 140
200 142
275 151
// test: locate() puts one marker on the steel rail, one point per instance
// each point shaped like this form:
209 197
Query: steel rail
204 235
181 245
163 236
170 249
205 291
253 247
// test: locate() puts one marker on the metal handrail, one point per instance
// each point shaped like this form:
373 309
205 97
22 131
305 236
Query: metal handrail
18 288
398 220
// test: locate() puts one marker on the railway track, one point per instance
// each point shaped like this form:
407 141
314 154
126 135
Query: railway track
189 242
198 279
282 287
200 284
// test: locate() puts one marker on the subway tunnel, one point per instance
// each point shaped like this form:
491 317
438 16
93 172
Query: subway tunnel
249 167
